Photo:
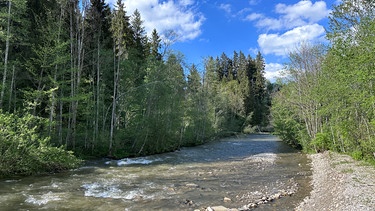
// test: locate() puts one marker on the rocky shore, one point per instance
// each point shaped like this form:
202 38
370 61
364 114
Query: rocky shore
339 183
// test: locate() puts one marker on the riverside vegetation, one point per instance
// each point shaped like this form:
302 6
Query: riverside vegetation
327 101
79 77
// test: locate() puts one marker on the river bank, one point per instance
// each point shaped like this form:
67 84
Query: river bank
340 183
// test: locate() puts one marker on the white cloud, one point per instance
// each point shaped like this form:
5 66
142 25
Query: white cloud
273 71
253 51
254 16
290 16
270 23
186 2
254 2
226 7
280 45
304 10
164 16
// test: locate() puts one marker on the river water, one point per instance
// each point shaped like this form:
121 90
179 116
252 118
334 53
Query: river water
243 169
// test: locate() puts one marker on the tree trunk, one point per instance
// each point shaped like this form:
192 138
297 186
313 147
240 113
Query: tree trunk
53 94
6 57
11 90
113 116
96 130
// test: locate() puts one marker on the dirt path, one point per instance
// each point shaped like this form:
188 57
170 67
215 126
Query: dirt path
340 183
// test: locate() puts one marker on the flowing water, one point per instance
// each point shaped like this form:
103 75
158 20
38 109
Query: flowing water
243 169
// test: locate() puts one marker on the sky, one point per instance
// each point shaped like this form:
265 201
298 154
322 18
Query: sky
210 27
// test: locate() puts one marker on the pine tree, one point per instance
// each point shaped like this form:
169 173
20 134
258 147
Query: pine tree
99 42
259 86
155 45
139 48
195 116
119 28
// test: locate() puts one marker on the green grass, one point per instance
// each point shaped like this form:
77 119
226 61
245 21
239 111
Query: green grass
348 171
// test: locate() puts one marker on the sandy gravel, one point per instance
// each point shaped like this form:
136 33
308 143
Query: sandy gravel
340 183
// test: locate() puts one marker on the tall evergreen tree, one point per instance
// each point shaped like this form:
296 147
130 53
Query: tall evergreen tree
119 28
155 45
259 86
139 48
99 44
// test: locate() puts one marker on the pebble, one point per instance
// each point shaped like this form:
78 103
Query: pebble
191 185
188 202
226 199
219 208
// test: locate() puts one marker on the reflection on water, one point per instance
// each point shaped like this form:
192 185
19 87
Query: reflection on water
242 169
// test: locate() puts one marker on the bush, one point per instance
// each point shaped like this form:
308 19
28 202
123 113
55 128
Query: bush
357 155
25 151
321 142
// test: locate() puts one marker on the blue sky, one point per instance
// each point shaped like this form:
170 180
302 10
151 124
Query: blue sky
210 27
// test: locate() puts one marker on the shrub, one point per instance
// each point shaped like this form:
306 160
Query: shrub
357 155
25 151
321 142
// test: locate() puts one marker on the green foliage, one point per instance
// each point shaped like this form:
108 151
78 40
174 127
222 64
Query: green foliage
332 97
285 120
24 150
321 142
357 155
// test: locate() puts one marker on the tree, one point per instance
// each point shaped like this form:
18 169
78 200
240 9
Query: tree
99 42
138 48
259 87
328 102
6 55
348 103
303 101
195 117
155 45
118 28
12 39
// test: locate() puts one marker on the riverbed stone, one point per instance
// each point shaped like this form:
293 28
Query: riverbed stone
253 205
226 199
277 196
191 185
219 208
188 202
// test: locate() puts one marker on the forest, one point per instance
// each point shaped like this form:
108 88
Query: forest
80 79
327 101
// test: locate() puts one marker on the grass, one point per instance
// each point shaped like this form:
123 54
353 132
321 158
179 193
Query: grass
347 171
341 163
357 180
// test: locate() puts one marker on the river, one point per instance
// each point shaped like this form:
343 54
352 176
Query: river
242 169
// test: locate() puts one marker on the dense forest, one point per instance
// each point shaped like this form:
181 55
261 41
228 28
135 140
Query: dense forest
82 77
327 101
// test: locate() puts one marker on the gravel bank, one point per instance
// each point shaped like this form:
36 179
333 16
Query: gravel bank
340 183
